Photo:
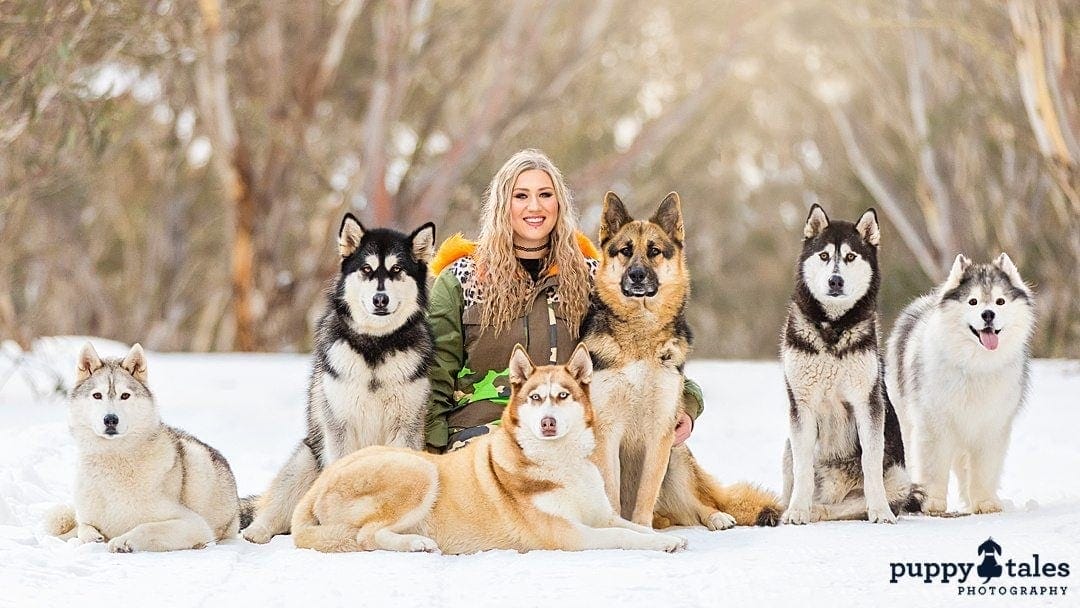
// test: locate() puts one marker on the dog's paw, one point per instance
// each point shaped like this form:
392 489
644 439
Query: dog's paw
881 515
933 506
990 505
256 534
796 516
670 543
422 544
672 353
122 544
720 521
89 534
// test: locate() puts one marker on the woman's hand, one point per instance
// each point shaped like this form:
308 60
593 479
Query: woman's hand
683 428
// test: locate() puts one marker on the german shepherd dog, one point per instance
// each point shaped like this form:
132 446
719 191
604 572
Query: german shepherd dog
529 484
637 334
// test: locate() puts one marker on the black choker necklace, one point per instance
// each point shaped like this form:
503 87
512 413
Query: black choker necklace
532 249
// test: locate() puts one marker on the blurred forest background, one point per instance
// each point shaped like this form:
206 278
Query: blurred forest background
175 172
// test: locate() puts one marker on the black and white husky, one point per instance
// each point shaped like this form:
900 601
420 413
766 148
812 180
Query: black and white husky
369 380
845 456
958 370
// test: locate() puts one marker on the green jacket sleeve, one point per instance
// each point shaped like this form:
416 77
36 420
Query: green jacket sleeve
693 400
445 306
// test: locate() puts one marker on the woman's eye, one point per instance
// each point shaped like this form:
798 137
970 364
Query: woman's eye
97 395
849 258
824 256
124 396
521 195
1001 301
973 301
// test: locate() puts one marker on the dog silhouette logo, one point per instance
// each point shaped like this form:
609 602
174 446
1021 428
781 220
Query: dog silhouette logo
989 568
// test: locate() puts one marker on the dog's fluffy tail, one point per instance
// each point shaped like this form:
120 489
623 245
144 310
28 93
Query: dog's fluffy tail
60 521
308 533
247 509
751 505
912 503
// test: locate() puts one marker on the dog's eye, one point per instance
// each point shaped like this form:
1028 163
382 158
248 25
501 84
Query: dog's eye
535 397
849 258
824 255
973 301
96 395
124 396
627 251
654 251
396 269
1000 301
365 269
564 395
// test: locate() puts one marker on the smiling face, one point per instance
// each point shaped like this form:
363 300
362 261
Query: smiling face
534 208
990 302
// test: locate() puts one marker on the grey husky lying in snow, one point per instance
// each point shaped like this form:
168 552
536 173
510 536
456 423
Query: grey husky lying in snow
141 485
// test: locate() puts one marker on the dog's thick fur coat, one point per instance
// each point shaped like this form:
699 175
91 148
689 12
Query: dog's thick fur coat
845 455
141 485
637 333
958 363
369 381
529 484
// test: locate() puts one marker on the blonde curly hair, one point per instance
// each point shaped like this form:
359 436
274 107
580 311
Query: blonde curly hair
508 289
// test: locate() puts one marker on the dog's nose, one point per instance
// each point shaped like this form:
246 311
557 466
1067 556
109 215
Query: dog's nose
111 420
380 300
637 274
988 316
836 282
548 426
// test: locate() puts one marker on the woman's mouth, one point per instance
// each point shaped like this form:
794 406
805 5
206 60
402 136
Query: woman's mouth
534 221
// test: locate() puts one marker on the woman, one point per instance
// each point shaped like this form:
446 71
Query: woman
525 281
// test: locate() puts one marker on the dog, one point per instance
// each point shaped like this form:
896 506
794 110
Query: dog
529 484
637 333
845 455
369 381
141 485
958 369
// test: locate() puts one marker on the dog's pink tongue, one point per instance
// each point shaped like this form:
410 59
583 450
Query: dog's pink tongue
988 339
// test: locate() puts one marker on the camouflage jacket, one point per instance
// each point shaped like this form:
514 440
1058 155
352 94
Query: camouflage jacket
469 381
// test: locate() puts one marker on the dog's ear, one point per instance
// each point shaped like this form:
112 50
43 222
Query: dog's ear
669 217
1005 264
89 362
868 227
580 364
521 366
422 242
135 363
956 274
349 235
816 222
613 218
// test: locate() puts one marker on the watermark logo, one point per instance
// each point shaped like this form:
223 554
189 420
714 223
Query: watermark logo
1000 576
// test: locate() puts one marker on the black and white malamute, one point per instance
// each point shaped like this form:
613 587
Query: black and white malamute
845 455
369 380
958 370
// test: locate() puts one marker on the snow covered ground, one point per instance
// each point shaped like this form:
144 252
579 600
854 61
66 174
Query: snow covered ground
251 408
